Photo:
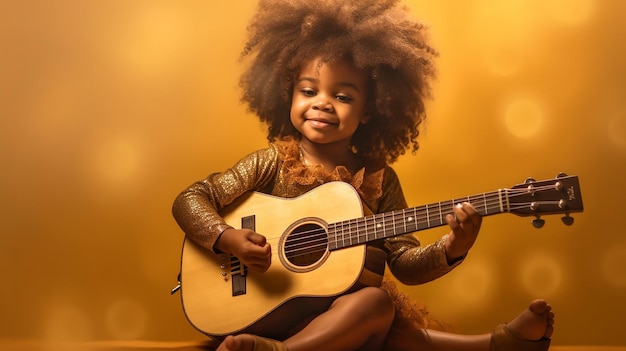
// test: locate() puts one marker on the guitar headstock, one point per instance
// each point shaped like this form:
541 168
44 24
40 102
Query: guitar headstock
554 196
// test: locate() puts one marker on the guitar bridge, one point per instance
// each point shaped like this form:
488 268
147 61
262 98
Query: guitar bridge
237 269
238 275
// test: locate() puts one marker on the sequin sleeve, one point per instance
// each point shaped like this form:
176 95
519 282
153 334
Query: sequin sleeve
408 261
196 208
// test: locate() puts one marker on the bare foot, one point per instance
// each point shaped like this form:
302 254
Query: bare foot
241 342
534 323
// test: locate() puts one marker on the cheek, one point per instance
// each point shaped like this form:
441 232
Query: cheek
295 114
352 124
292 119
298 107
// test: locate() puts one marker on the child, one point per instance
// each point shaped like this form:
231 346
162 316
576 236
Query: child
341 86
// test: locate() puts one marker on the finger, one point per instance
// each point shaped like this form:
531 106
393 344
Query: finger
452 222
260 257
461 222
464 210
459 213
469 209
473 215
467 215
257 238
261 264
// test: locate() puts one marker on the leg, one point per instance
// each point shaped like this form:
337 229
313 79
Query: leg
357 321
529 331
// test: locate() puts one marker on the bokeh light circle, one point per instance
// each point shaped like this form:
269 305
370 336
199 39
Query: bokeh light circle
524 118
541 274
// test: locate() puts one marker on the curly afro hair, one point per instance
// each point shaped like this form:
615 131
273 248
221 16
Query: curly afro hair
376 35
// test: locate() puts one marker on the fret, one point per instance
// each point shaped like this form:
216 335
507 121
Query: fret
383 225
440 213
332 241
404 223
341 239
375 227
404 220
415 219
448 204
422 216
362 230
351 233
372 227
345 229
343 234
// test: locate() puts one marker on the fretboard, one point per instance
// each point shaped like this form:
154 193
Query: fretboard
383 225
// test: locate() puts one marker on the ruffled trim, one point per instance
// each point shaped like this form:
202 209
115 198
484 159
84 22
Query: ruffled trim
367 183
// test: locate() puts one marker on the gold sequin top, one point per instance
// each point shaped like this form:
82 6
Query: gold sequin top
279 170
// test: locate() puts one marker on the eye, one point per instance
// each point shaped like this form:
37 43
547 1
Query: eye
344 98
308 92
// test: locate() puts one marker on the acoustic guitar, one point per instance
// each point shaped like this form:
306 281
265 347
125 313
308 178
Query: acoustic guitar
318 248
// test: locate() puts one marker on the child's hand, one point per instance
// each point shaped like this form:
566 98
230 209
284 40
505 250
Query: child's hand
248 246
465 224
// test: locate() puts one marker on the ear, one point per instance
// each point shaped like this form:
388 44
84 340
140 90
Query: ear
365 118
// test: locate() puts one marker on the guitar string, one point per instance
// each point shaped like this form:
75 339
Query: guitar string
322 242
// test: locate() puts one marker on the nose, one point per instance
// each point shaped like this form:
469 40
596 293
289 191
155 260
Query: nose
322 105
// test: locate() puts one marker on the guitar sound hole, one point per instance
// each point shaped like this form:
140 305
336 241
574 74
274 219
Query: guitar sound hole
306 245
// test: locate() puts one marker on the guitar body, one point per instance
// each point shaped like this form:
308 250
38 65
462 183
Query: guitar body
219 300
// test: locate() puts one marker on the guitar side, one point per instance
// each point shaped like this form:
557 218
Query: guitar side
207 280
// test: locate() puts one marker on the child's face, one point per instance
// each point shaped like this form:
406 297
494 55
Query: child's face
328 102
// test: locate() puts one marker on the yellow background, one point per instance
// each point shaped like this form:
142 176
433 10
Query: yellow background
109 108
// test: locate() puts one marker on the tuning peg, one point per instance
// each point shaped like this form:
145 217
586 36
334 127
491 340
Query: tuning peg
538 222
567 220
529 180
561 175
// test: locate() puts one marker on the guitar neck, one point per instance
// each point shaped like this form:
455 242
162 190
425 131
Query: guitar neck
384 225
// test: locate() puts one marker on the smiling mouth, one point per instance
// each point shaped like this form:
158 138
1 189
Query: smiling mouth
318 122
